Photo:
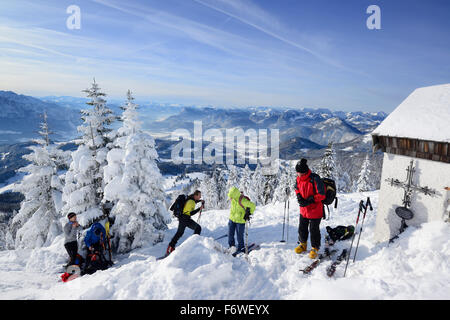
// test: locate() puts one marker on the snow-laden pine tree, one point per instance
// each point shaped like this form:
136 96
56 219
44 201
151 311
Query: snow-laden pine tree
245 183
327 166
283 189
221 184
343 179
213 190
270 185
256 191
134 184
83 191
37 222
364 182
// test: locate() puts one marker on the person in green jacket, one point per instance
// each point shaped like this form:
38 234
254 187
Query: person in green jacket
241 209
185 219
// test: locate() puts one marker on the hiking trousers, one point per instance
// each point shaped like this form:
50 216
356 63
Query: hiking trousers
183 222
239 229
72 250
307 226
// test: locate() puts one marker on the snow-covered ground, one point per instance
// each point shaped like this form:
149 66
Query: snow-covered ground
416 266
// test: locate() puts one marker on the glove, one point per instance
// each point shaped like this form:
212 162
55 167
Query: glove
247 215
310 200
304 202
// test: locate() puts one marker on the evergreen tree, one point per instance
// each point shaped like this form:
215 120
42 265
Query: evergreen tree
256 191
209 192
327 167
245 181
270 185
221 183
364 183
37 222
134 184
83 191
283 189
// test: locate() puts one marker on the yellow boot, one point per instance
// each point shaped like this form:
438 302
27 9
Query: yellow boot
313 253
301 247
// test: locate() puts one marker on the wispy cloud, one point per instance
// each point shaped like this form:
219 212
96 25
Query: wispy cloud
250 14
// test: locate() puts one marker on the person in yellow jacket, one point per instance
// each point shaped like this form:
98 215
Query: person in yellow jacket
241 209
185 219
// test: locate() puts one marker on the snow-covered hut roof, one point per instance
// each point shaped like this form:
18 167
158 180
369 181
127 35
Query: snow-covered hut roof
423 115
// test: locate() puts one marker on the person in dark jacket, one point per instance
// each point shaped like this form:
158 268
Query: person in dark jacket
185 219
71 229
310 192
95 241
95 237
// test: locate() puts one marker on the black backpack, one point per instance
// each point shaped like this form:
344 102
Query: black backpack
340 232
330 192
178 205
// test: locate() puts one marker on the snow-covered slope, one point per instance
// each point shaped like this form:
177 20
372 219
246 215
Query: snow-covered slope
416 266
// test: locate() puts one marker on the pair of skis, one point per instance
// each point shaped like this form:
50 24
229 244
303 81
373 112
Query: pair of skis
325 256
345 254
250 248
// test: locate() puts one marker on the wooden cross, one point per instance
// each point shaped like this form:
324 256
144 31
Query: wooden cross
409 187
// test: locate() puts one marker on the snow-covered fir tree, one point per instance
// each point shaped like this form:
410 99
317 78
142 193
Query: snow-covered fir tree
209 192
283 189
256 191
134 184
270 185
213 188
344 181
83 191
364 178
327 166
245 181
37 222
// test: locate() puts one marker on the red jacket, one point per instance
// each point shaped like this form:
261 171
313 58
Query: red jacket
305 185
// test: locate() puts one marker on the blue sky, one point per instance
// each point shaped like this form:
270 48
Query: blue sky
293 53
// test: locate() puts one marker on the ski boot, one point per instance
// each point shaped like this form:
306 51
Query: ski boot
313 253
301 248
169 250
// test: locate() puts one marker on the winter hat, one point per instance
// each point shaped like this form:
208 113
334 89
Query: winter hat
70 215
301 166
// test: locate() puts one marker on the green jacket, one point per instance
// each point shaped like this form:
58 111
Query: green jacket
237 212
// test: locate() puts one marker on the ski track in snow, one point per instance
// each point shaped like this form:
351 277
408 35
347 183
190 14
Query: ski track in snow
416 266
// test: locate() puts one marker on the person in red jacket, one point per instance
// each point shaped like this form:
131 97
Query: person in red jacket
310 192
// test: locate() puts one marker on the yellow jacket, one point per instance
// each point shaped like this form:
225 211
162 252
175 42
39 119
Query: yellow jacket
237 212
189 206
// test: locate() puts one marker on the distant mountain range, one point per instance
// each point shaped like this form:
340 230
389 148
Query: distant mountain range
313 126
21 115
303 132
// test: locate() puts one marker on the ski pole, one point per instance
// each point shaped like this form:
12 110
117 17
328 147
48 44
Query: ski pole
199 216
284 218
246 239
368 204
361 205
287 228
